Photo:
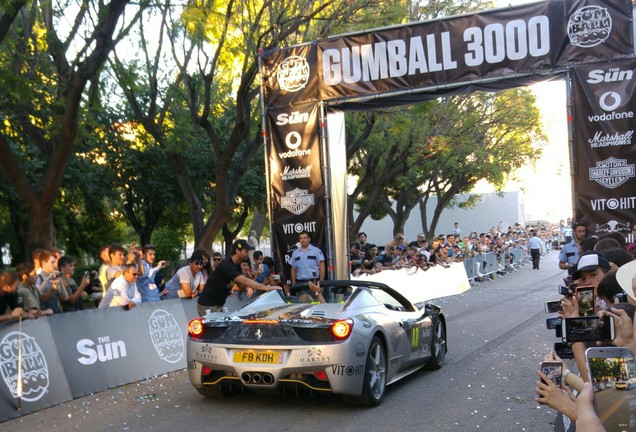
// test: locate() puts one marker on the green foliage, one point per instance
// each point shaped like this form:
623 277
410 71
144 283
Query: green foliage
443 148
168 244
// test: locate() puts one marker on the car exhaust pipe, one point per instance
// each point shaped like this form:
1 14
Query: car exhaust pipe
246 377
256 378
268 379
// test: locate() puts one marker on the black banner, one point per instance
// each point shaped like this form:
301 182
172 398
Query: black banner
296 183
532 39
604 151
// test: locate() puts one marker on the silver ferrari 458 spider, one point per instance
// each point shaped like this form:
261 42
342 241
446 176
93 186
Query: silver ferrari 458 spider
353 339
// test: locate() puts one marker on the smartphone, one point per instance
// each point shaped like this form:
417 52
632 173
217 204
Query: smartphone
86 274
563 350
553 306
612 372
588 329
585 297
567 290
167 263
552 323
554 371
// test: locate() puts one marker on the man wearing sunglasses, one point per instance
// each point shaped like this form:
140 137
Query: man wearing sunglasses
226 274
188 281
123 291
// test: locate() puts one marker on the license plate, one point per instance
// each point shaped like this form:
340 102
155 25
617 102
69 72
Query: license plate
259 357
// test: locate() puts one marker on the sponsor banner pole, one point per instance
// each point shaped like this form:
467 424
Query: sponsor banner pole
571 140
295 179
605 155
338 184
326 175
278 263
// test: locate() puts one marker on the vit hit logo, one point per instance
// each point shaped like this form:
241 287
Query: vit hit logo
166 336
35 372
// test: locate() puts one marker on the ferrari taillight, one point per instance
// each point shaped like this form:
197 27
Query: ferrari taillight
195 327
342 329
321 375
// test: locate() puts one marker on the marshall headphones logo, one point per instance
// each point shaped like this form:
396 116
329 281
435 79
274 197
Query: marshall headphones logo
612 172
297 201
166 336
34 370
589 26
293 74
295 173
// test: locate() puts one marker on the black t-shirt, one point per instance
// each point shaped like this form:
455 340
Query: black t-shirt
219 284
8 300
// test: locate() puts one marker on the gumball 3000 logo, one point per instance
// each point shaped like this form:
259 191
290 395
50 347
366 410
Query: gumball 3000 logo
35 372
166 336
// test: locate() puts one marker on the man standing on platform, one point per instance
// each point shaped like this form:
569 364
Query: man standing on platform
307 262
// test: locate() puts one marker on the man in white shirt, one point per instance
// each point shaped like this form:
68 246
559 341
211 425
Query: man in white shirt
535 245
123 291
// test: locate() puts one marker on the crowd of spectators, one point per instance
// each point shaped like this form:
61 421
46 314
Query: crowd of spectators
126 278
606 264
369 258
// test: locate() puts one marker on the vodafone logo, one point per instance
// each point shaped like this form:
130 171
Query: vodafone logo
609 101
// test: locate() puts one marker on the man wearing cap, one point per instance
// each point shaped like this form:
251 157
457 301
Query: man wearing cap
188 281
227 273
307 262
591 269
569 254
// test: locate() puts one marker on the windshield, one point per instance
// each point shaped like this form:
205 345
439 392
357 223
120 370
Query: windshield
330 294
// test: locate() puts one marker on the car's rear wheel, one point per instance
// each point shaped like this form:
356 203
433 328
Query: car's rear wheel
374 385
216 391
438 346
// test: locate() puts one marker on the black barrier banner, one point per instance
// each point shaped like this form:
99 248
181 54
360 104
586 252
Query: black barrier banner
490 45
296 183
114 346
44 382
70 355
604 151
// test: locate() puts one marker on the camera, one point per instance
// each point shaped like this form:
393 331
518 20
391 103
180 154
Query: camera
588 329
567 290
553 370
563 350
553 306
552 323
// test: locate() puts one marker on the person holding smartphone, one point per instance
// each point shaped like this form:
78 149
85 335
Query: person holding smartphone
76 293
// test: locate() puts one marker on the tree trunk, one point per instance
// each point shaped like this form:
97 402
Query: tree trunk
41 231
258 224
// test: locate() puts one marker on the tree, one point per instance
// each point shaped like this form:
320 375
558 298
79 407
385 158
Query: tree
484 136
46 70
443 148
214 89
